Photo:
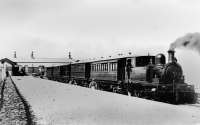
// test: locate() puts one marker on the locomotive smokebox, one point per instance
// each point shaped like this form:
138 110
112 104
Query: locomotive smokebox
171 57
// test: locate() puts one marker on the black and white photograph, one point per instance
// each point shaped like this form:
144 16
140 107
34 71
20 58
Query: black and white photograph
99 62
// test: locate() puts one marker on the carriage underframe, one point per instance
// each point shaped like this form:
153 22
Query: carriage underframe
179 94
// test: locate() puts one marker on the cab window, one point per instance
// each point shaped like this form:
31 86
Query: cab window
144 60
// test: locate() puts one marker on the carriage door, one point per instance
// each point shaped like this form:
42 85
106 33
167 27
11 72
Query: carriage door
121 69
87 70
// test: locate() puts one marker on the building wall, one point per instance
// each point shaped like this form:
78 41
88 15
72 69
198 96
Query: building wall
3 68
0 74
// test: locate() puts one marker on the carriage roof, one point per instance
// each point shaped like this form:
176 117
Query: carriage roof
109 58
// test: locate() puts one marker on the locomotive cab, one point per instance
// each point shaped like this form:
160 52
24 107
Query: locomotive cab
139 67
154 71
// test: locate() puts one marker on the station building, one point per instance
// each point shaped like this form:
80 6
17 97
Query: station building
30 65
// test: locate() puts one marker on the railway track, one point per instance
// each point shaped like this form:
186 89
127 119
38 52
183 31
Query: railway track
197 104
29 115
2 86
14 108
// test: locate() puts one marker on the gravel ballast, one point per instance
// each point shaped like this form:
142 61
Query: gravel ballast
13 106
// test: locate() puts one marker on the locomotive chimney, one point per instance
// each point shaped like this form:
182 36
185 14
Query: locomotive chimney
171 57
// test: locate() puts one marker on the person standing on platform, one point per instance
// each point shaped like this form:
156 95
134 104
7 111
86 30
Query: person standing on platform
93 84
3 72
7 73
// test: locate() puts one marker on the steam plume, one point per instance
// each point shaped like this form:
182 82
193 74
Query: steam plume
190 41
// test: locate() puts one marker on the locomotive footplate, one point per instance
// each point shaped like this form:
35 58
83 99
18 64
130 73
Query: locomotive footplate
179 94
143 89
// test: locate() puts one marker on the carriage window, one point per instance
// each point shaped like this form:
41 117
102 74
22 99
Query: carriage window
103 66
144 60
92 67
112 66
133 62
99 65
115 66
106 67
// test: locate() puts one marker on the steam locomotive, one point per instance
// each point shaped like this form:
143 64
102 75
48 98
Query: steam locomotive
142 76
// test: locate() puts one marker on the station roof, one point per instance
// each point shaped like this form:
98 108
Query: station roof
41 60
8 61
38 61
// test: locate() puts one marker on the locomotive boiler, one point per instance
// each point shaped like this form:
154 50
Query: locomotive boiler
166 73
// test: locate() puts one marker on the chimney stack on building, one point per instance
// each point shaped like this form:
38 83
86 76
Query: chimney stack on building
15 55
32 55
70 56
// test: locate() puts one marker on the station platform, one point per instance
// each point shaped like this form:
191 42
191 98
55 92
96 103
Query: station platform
55 103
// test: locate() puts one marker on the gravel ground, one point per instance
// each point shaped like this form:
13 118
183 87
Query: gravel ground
13 110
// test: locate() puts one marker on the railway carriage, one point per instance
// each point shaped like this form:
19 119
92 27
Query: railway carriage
65 73
56 73
80 73
104 73
49 73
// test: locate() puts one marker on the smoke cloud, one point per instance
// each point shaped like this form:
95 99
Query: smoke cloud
190 41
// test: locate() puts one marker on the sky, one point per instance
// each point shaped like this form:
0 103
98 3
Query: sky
95 28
